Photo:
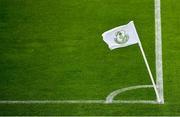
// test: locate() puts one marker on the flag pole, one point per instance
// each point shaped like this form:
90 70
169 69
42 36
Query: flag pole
149 71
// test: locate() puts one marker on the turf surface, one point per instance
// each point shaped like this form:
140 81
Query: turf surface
53 50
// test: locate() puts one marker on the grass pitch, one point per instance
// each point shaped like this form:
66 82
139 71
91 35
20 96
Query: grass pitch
53 50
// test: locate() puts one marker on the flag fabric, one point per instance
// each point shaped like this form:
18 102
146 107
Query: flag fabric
121 36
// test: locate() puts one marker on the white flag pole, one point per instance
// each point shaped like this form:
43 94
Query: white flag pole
149 70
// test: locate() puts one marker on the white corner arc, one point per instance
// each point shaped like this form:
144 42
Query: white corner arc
111 96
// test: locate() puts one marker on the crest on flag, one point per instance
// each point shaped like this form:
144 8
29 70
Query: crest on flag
121 37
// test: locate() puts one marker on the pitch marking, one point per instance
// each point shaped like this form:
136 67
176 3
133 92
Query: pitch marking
158 50
110 97
77 102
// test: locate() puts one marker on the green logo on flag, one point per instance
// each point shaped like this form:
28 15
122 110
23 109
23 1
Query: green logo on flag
121 37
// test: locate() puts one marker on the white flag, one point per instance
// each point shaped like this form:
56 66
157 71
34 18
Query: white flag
121 36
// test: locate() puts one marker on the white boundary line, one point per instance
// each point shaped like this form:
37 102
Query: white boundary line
49 101
110 97
135 101
158 50
77 102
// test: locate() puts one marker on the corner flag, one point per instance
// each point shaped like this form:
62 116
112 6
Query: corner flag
121 36
126 35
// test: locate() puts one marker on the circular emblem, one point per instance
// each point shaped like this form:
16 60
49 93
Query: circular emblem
121 37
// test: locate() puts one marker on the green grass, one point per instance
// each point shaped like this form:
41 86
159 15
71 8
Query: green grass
53 50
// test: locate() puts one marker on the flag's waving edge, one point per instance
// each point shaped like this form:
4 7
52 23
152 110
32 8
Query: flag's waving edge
121 36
